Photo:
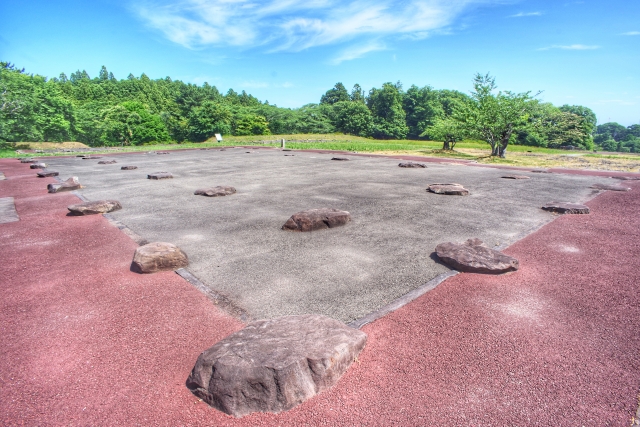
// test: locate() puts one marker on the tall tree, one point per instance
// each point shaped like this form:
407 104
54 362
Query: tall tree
389 119
337 94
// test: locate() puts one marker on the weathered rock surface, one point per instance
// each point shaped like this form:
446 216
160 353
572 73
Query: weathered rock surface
448 189
45 173
91 157
68 185
627 178
27 160
474 256
38 166
341 159
107 162
515 177
93 208
158 256
610 187
160 175
215 191
412 165
317 219
128 168
566 208
274 365
540 171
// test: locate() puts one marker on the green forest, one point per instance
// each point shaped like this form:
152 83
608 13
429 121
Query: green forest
105 111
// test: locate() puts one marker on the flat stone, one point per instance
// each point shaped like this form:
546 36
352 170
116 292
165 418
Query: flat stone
566 208
93 208
107 162
38 166
317 219
215 191
626 178
158 256
412 165
8 211
128 168
69 185
160 175
474 256
162 152
27 160
274 365
610 187
91 157
540 171
448 189
289 155
341 159
515 177
45 173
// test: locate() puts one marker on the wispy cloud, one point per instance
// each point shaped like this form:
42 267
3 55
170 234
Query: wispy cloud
295 25
523 14
355 52
631 33
571 47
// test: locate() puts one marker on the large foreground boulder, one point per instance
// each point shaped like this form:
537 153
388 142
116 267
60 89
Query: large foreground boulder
274 365
474 256
215 191
566 208
317 219
448 189
158 256
93 208
69 185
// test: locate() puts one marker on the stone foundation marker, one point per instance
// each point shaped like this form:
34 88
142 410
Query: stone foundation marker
69 185
38 166
107 162
159 175
412 165
448 189
215 191
45 173
515 177
473 256
317 219
610 187
274 365
128 168
340 159
93 208
158 256
27 160
566 208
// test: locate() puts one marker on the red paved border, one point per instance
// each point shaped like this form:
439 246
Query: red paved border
87 342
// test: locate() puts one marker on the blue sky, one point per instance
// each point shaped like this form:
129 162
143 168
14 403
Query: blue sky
290 52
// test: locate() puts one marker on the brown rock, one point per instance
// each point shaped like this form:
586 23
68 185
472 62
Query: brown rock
107 162
341 159
69 185
610 187
274 365
159 175
474 256
515 177
45 173
158 256
566 208
93 208
215 191
412 165
448 189
38 166
128 168
317 219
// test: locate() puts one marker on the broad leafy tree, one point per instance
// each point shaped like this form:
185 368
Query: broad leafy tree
352 117
337 94
389 118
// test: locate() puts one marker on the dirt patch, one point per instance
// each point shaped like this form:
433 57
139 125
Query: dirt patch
52 145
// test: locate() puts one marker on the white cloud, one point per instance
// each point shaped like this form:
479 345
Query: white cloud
355 52
295 25
571 47
631 33
523 14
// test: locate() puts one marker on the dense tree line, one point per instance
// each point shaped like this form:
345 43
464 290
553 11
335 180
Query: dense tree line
138 110
615 137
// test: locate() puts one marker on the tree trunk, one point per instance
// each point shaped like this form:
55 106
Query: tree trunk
502 151
445 145
495 150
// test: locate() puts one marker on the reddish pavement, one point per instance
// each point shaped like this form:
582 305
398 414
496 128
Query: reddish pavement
557 343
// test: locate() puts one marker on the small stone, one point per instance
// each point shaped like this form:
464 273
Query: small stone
46 173
317 219
540 171
448 189
474 256
610 187
626 178
566 208
107 162
412 165
128 168
162 152
93 208
289 155
158 256
38 166
215 191
27 160
91 157
515 177
274 365
340 159
160 175
69 185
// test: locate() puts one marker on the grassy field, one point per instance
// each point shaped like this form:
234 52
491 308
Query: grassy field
477 151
